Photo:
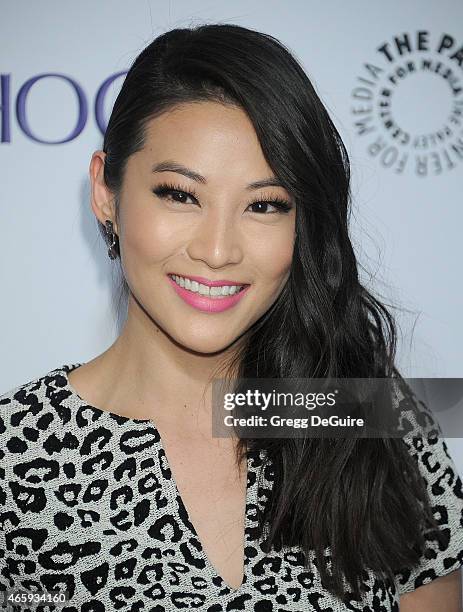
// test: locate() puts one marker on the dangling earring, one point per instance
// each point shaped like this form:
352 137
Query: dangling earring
112 250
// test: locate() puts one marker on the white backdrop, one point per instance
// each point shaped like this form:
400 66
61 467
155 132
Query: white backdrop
391 75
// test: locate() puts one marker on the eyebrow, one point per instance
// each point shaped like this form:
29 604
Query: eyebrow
172 166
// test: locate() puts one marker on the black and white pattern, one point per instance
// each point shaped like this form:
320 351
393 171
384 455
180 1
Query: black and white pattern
88 505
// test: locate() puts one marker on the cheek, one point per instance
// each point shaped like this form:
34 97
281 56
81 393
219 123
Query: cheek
272 257
147 238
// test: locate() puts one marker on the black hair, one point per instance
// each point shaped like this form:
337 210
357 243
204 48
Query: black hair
364 498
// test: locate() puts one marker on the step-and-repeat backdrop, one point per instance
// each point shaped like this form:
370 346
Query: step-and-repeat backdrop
391 76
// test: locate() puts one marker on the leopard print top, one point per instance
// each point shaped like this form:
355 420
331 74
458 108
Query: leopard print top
88 505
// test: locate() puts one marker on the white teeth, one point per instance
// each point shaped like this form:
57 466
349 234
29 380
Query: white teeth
205 290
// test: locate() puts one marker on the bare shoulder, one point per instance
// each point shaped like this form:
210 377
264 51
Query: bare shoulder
443 593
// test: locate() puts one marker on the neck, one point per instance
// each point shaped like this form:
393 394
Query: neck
158 378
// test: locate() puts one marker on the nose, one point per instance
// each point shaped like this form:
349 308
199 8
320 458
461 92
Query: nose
216 242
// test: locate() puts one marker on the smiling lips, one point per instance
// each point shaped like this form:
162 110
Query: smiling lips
208 296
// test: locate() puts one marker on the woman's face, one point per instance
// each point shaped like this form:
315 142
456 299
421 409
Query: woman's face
209 225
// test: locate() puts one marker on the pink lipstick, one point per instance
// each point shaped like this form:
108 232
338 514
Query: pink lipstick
206 303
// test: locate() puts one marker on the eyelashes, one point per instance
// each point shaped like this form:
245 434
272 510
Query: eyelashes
165 189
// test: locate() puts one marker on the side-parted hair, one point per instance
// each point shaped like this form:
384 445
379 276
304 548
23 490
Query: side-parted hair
364 498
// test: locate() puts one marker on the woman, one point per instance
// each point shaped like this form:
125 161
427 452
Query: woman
221 168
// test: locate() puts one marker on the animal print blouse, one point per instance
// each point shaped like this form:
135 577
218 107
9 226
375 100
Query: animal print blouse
88 506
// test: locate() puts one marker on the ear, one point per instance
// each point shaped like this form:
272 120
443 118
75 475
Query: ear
102 199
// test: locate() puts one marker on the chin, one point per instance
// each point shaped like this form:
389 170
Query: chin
206 344
204 338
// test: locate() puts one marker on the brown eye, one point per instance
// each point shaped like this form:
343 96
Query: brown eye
279 206
179 196
172 193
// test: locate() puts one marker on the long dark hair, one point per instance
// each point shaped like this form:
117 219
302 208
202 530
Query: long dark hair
363 497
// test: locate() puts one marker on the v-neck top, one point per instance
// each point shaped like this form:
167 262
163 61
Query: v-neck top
88 504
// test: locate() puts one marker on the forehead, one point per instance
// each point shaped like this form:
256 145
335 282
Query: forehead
216 140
